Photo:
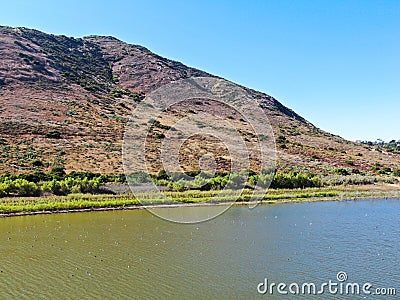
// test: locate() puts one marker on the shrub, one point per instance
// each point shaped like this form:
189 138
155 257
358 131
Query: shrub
376 167
122 104
295 180
72 185
341 171
176 186
58 172
158 135
138 178
356 171
19 187
54 134
263 180
121 178
236 181
161 126
26 188
162 175
37 163
385 171
396 173
218 182
36 177
54 187
281 139
204 182
2 189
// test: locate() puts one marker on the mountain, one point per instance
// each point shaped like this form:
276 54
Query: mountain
66 101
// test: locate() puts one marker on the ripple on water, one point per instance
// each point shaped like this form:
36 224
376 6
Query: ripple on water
132 254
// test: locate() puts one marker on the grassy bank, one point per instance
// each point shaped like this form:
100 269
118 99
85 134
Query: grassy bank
79 202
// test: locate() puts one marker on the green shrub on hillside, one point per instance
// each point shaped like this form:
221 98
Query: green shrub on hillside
37 163
384 171
341 171
396 173
54 134
281 139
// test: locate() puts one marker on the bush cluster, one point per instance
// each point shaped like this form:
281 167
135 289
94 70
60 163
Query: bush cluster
23 187
56 182
206 182
294 180
18 187
72 185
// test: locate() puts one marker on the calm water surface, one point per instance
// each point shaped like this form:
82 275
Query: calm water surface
135 255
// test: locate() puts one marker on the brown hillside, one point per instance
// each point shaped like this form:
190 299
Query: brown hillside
66 101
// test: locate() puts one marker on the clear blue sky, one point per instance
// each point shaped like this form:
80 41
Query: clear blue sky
337 63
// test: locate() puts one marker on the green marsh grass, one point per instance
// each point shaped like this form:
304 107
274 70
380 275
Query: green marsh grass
13 205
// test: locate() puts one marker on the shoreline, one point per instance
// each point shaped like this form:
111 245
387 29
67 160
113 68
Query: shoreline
354 194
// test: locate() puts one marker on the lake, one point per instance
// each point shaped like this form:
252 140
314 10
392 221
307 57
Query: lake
136 255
